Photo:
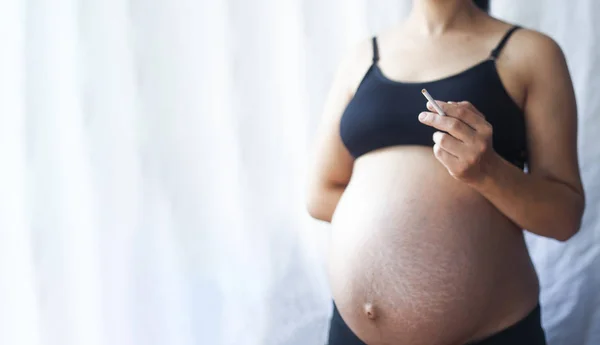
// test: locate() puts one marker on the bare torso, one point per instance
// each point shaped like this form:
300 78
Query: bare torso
436 261
433 259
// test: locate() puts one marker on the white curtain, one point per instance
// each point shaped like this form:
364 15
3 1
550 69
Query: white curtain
153 157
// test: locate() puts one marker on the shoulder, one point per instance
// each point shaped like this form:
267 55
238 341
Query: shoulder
534 52
359 53
359 57
355 62
535 44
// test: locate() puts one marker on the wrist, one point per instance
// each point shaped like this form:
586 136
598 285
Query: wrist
491 170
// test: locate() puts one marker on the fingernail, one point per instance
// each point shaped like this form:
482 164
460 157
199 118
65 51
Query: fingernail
422 116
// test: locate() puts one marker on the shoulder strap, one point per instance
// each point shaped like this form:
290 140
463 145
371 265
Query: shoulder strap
375 50
498 49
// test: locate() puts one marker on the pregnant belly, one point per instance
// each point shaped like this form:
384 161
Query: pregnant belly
419 258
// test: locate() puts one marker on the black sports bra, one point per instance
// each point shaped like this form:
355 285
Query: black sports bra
384 112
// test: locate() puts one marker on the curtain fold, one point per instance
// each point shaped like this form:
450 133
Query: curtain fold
19 319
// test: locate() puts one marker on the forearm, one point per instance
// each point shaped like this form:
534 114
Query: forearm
539 204
323 202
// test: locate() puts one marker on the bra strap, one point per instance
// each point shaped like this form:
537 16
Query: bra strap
496 52
375 50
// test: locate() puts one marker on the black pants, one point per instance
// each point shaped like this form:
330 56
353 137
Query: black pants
528 331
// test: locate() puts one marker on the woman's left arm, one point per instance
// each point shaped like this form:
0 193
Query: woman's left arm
549 200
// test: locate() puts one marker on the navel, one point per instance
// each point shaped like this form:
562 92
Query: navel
370 311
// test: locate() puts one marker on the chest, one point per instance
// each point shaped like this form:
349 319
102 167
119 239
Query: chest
384 112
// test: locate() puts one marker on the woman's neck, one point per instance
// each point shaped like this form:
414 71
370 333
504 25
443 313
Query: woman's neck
434 17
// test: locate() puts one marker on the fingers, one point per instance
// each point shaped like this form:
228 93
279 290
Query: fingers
469 105
463 111
457 168
445 157
451 125
449 144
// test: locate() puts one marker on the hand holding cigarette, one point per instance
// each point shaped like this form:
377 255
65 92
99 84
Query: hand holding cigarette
464 141
433 102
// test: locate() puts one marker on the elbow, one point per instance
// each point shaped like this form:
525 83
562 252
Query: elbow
312 208
323 199
566 232
316 210
316 206
313 211
571 221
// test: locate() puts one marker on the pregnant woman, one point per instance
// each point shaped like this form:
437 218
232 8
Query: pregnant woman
428 211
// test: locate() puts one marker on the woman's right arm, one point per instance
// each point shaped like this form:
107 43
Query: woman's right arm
331 166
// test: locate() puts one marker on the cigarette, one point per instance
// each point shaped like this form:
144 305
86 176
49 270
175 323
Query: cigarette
433 102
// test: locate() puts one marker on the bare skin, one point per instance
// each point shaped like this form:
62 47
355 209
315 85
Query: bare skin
427 246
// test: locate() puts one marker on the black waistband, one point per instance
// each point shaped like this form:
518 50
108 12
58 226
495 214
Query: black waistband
527 331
